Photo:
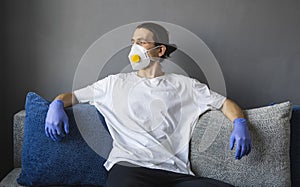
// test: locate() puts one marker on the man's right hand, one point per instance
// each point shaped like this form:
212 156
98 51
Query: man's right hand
57 122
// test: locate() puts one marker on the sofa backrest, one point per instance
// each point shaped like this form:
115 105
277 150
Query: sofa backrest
18 134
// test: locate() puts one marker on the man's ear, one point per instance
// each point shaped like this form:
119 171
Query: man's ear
162 50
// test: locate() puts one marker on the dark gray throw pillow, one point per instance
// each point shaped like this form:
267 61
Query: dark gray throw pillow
268 164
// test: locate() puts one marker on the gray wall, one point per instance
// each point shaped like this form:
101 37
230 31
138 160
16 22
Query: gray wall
256 43
1 46
2 139
5 136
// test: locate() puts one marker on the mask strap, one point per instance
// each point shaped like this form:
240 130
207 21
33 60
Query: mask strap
154 48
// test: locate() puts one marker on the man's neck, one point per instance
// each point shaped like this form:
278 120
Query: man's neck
152 71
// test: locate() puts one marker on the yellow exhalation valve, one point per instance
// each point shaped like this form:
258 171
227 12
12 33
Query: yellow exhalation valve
135 58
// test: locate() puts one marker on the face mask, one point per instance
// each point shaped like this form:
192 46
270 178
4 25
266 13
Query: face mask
139 57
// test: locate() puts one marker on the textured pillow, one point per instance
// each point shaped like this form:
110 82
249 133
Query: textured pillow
295 146
268 164
68 162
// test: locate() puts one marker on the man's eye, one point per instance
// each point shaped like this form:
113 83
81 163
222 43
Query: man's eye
139 42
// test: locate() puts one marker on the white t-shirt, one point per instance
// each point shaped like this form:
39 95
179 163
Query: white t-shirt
150 119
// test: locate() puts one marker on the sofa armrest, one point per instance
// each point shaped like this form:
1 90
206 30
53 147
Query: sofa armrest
18 134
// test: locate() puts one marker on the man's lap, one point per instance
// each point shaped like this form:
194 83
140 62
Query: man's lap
124 176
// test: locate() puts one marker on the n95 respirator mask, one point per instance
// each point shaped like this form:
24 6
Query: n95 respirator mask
138 57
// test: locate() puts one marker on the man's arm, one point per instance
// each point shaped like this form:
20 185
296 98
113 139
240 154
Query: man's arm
231 110
57 122
240 134
68 99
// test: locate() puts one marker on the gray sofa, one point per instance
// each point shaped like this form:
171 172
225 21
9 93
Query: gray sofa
18 132
267 165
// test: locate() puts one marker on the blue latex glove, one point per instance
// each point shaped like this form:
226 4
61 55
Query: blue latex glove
57 122
241 136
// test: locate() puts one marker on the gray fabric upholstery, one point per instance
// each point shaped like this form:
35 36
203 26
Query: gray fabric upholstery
267 165
18 133
10 179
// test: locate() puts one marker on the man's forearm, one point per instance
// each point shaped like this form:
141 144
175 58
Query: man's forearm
69 99
231 110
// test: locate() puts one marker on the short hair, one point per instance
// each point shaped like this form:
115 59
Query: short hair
160 37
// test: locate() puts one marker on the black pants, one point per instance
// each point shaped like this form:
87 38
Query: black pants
128 176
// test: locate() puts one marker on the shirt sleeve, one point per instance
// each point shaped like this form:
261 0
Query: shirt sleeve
93 92
205 98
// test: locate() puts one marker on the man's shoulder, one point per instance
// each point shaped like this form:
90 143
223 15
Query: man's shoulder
179 76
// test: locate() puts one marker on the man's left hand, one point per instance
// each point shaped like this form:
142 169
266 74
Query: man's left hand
241 136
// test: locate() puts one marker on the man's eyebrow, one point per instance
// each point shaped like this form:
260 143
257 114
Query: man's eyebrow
132 39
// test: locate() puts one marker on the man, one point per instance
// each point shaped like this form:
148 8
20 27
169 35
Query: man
151 126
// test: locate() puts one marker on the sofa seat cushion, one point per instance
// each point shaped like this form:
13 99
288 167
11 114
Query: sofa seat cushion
11 178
